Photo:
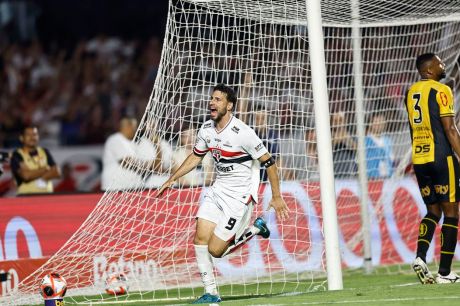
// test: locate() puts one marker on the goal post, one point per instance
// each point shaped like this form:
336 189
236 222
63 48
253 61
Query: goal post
320 96
271 52
360 135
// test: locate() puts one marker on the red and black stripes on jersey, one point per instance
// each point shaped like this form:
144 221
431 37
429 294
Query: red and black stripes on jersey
225 157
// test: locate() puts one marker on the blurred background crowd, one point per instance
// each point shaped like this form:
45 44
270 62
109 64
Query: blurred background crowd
75 69
76 97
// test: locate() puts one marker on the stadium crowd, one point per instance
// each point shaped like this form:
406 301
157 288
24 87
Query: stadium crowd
75 96
78 96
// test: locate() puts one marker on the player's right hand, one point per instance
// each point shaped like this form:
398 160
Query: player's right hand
163 187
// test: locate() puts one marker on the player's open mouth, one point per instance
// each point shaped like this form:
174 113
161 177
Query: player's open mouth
213 111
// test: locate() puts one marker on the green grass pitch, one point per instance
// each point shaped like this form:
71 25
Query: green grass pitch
382 287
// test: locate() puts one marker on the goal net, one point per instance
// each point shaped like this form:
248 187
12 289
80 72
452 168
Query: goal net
260 48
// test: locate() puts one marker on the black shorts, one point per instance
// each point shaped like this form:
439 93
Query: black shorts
439 181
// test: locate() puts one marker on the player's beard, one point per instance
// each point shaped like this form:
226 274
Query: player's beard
220 115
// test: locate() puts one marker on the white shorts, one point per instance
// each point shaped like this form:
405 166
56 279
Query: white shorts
230 215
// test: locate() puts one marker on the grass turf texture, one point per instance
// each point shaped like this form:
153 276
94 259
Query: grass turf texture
383 287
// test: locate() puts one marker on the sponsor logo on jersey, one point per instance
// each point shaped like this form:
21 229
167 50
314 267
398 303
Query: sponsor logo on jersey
224 169
259 147
217 139
444 99
216 154
422 149
441 189
425 191
207 125
235 129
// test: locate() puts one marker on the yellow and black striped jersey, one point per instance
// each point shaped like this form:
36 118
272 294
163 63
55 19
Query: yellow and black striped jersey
426 102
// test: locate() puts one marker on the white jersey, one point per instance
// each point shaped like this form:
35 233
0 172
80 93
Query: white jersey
235 150
114 176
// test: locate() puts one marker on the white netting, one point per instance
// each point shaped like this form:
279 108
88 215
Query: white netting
261 49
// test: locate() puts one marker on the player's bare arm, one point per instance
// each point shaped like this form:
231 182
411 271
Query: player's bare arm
190 163
277 201
452 133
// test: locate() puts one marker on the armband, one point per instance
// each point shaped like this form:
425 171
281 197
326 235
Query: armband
199 153
268 163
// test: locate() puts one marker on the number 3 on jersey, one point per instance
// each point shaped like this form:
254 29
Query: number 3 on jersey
417 109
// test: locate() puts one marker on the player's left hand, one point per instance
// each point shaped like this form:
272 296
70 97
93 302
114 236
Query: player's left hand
280 207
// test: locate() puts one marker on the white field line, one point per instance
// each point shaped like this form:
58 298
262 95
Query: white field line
405 285
362 301
280 304
383 300
130 301
297 303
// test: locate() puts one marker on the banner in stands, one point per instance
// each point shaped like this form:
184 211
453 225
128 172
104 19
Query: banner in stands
34 228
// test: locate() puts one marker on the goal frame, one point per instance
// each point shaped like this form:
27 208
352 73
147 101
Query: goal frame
323 130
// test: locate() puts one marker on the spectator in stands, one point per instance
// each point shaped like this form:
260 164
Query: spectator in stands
76 96
268 136
32 166
311 155
4 158
343 147
379 149
203 174
300 162
68 182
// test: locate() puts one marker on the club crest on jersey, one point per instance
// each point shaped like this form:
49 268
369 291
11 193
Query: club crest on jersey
216 154
235 129
208 140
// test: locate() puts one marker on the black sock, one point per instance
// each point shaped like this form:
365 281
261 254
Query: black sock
449 232
426 232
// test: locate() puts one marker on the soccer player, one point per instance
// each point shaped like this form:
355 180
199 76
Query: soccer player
223 217
435 138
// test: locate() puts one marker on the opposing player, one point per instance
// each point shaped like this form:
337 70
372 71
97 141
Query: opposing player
435 138
223 217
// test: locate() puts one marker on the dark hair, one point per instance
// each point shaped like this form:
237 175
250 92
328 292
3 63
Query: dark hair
422 59
229 92
26 127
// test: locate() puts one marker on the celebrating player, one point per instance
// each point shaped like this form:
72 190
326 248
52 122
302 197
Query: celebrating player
435 138
223 218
